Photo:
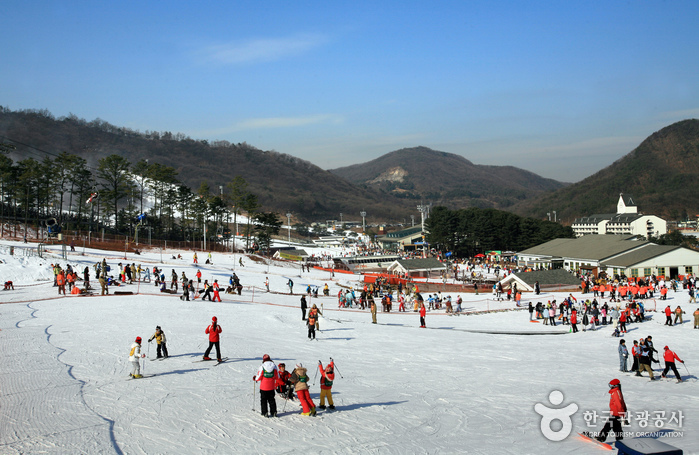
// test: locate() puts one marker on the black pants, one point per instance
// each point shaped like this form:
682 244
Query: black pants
303 314
162 348
211 345
207 294
311 331
552 320
614 424
575 327
669 365
422 321
669 320
267 398
634 367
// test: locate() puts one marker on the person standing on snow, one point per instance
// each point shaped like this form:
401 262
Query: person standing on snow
327 376
268 376
670 357
373 311
617 412
304 306
267 283
216 289
423 312
290 283
644 361
311 323
213 331
636 353
160 339
135 357
623 355
300 381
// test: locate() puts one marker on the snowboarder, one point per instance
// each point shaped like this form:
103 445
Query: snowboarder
267 375
670 357
216 289
135 357
617 412
300 381
160 339
304 306
213 331
623 355
327 376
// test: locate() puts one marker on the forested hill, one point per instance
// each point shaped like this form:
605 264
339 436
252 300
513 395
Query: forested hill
421 173
282 182
662 175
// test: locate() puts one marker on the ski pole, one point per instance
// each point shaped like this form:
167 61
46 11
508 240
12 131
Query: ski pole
338 371
253 395
685 367
316 375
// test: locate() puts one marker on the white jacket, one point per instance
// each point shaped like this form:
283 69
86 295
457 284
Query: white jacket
135 354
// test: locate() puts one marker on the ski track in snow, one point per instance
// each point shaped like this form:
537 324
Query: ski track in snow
457 387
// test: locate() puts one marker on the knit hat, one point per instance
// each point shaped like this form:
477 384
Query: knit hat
138 340
614 383
265 358
214 319
299 365
666 347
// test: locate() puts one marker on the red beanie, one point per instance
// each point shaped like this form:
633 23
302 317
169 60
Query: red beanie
138 340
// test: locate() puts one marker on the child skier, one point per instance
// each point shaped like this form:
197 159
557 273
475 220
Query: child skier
284 387
327 376
213 331
135 357
159 336
267 375
300 381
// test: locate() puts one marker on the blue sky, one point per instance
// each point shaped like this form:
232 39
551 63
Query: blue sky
562 89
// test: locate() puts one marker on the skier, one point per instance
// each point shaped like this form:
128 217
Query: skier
159 336
304 305
267 375
311 323
300 381
670 357
316 313
290 283
327 376
617 411
267 283
668 315
216 289
195 259
135 357
623 355
644 360
213 331
284 387
423 312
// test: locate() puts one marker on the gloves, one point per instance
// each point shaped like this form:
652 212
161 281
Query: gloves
253 377
320 363
143 355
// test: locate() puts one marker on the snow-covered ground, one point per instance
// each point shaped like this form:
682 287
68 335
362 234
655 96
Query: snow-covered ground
466 384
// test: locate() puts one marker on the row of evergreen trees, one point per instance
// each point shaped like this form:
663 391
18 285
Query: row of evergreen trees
119 196
467 232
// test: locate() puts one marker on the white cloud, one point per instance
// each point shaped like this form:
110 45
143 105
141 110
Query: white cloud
261 50
274 123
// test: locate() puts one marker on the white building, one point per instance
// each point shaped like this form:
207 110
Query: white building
627 221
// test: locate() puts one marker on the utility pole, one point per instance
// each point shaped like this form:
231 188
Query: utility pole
288 224
363 215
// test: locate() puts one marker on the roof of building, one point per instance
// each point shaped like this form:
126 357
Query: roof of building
420 264
547 277
594 247
628 200
625 218
403 233
642 254
594 219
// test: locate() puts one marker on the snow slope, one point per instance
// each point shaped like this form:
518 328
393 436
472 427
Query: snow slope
465 384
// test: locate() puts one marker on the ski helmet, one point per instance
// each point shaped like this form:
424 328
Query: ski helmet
266 358
614 383
138 340
214 319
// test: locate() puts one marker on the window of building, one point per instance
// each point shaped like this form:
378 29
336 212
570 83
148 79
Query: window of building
647 272
688 269
661 271
634 273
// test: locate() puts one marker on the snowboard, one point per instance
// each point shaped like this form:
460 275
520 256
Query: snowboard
595 441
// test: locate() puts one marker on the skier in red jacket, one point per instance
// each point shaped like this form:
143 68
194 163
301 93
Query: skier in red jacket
670 357
617 412
268 376
213 331
327 376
